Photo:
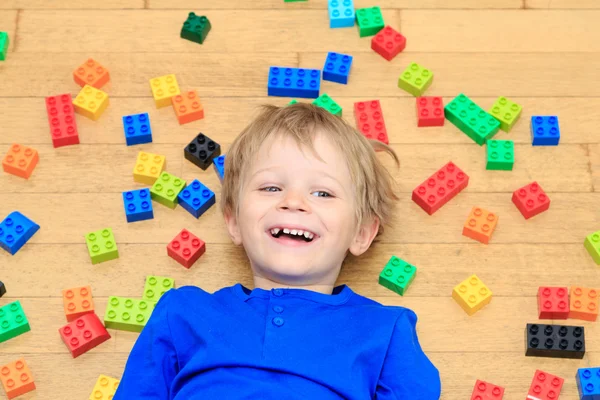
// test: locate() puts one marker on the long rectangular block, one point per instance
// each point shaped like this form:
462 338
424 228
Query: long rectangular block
4 41
294 82
369 120
16 230
61 118
440 188
556 341
127 314
471 119
13 321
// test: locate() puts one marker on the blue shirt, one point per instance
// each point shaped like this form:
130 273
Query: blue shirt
277 344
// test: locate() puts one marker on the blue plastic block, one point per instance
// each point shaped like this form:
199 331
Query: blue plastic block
137 129
294 82
196 198
219 164
337 67
138 205
545 131
588 383
341 13
15 231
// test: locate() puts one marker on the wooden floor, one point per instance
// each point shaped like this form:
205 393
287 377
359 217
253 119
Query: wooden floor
545 54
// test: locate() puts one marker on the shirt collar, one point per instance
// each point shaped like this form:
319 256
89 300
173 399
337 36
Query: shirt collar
340 294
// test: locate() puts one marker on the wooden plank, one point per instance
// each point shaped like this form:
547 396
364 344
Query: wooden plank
8 24
594 157
562 4
70 4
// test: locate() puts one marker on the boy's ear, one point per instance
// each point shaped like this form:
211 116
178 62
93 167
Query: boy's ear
364 237
233 228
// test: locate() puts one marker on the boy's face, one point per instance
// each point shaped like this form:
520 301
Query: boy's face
288 189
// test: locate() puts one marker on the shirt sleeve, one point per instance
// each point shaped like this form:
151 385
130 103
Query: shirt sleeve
407 373
152 363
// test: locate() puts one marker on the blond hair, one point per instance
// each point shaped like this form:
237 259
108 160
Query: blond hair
373 183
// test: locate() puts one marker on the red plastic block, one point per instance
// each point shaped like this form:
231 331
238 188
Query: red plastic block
16 378
388 43
20 161
369 120
186 248
83 334
61 117
553 302
545 386
440 188
430 111
531 200
91 73
487 391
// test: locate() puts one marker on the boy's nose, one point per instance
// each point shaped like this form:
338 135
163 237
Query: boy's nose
294 201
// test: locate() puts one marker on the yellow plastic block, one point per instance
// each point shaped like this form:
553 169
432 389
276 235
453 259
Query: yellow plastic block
472 295
90 102
148 167
163 88
105 388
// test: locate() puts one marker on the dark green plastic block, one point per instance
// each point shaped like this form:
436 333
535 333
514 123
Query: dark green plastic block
195 28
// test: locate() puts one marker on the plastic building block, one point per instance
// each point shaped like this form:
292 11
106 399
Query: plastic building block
138 205
480 225
91 102
201 151
127 314
77 302
557 341
440 188
61 118
137 129
369 21
186 248
471 119
15 231
341 13
430 111
294 82
506 112
553 302
91 73
187 107
487 391
163 88
83 334
545 386
196 198
397 275
16 378
166 189
584 303
292 102
415 79
388 43
592 245
2 289
148 167
369 120
13 321
500 155
156 286
531 200
105 388
195 28
472 295
102 246
326 102
545 131
4 41
219 164
20 161
588 383
337 67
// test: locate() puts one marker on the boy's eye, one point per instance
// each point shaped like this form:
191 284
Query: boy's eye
322 193
268 189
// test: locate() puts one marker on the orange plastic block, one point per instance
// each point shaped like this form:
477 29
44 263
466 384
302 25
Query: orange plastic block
91 73
77 302
584 303
187 107
480 225
20 161
16 378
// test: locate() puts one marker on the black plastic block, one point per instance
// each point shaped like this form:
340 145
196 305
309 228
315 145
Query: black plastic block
557 341
202 150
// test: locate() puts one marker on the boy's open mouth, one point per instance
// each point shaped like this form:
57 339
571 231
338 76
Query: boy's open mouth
294 234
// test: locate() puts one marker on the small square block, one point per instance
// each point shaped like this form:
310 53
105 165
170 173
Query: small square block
480 225
77 302
326 102
13 321
20 161
219 164
440 188
4 41
102 246
294 82
430 111
201 151
187 107
369 120
163 88
588 383
91 73
415 79
553 302
156 286
341 13
556 341
105 388
196 198
91 102
583 303
397 275
16 378
471 119
148 167
545 386
16 230
195 28
337 67
61 118
83 334
472 295
545 131
500 155
506 112
186 248
487 391
592 245
138 205
137 129
127 314
388 43
369 21
531 200
166 189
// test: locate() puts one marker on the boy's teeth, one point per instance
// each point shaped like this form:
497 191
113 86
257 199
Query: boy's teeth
308 235
286 230
275 231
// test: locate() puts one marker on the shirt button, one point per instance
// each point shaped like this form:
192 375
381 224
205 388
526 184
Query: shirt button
278 292
277 321
278 309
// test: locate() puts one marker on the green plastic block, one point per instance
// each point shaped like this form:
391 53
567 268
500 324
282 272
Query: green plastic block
415 79
506 112
13 321
329 104
500 155
127 314
156 286
166 189
397 275
102 245
471 119
369 21
592 245
3 45
195 28
292 102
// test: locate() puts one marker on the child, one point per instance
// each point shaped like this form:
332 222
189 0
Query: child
302 188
